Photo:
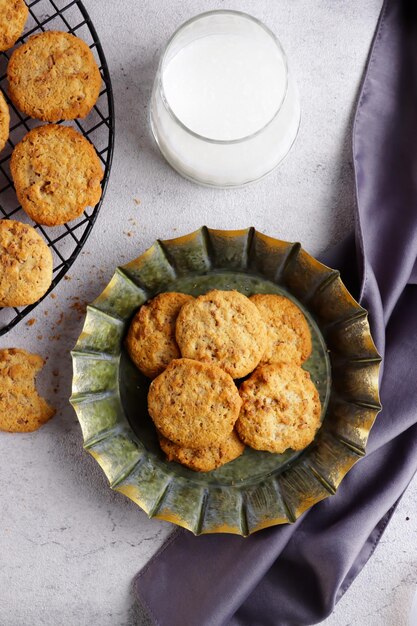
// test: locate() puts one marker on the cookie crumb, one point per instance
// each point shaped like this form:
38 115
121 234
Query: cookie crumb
31 322
79 307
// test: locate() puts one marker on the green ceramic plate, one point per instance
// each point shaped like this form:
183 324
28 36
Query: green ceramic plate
258 489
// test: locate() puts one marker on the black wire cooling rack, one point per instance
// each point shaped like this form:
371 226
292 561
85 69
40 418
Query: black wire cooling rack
65 241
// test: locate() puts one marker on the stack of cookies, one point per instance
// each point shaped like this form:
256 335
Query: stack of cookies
55 170
198 350
56 173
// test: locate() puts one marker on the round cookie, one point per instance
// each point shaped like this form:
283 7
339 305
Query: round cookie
56 173
13 15
4 121
25 264
289 337
224 328
54 76
150 340
204 459
194 404
21 408
280 408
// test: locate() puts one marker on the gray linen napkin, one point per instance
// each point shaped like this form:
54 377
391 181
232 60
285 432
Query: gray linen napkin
294 575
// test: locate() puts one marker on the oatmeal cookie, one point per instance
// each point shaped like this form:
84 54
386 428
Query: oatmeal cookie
204 459
224 328
280 408
194 404
25 264
54 76
13 16
4 122
21 408
150 340
56 173
289 337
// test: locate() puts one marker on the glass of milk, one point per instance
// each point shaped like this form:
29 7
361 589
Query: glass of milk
225 109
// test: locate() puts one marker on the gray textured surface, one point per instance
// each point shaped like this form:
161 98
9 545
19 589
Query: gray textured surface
69 547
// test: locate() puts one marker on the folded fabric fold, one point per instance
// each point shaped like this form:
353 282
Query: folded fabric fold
295 574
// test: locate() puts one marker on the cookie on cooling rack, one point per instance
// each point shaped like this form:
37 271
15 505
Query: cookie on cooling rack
280 408
22 410
4 121
56 173
150 340
204 459
54 76
194 404
13 16
289 337
25 264
223 328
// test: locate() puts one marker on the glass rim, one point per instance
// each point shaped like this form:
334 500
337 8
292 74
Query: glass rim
160 85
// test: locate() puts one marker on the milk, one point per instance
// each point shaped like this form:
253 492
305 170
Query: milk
225 87
224 109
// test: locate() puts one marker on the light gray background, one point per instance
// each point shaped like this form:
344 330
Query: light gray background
69 547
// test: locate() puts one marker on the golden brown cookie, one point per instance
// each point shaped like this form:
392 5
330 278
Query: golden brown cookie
22 410
13 15
289 337
194 404
150 340
280 408
56 173
25 264
204 459
224 328
4 122
54 76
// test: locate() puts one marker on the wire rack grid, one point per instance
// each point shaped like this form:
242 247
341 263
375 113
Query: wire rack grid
64 241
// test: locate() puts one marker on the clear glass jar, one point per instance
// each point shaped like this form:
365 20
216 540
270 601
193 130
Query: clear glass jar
207 157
